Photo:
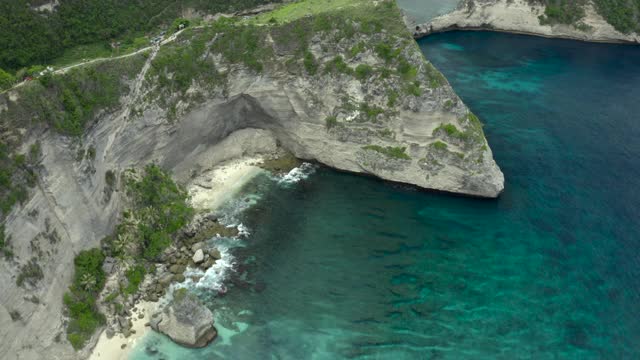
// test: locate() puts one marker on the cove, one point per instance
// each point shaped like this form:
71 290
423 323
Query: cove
341 266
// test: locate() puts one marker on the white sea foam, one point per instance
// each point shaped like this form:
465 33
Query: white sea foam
231 211
213 278
298 174
243 230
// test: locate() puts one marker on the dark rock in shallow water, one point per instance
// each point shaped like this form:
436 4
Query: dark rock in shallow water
151 350
215 253
207 264
186 321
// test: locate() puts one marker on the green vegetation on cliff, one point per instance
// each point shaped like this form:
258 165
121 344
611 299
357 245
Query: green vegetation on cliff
471 134
68 103
30 273
16 176
5 244
562 11
135 276
29 37
389 151
158 209
288 40
439 145
80 300
624 15
6 80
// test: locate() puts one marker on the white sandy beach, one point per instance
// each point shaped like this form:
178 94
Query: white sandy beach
112 349
213 188
208 191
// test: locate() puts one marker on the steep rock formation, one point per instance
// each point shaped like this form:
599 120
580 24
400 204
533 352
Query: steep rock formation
523 16
357 95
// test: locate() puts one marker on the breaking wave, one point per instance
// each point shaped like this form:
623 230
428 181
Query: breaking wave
230 214
298 174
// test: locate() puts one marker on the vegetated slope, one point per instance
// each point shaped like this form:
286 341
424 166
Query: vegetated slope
624 15
29 35
346 86
51 208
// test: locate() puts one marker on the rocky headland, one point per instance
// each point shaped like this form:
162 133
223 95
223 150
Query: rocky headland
346 87
527 17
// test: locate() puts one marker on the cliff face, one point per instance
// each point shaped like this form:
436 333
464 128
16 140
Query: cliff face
524 16
367 103
348 88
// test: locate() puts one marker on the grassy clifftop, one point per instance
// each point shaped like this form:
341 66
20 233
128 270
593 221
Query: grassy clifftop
30 36
284 41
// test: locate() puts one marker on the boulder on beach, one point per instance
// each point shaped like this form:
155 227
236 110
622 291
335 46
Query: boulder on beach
185 320
198 257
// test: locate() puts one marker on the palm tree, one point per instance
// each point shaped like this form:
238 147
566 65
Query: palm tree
88 282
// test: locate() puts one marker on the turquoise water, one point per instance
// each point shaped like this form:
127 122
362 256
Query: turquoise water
341 266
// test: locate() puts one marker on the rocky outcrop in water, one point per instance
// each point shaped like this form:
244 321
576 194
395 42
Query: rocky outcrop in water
523 16
185 320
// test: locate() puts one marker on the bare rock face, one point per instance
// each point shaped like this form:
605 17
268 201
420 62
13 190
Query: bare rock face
186 321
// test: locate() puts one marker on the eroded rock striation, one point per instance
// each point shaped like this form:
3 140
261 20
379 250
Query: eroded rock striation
526 17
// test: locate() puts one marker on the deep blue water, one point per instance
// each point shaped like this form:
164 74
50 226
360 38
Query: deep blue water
342 266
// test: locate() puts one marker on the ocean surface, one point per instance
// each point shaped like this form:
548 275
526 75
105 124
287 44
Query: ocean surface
338 266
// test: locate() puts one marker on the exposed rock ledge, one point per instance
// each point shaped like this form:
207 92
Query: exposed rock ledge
518 16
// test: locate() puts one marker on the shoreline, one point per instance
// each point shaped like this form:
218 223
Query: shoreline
519 17
214 187
208 191
119 347
422 35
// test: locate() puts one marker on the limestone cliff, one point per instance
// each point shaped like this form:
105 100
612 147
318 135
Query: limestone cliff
527 17
348 88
